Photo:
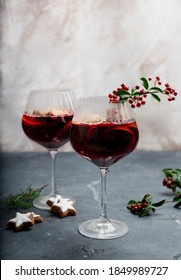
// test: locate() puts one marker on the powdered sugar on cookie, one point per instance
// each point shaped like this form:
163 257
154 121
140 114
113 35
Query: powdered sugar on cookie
37 218
22 221
61 206
54 199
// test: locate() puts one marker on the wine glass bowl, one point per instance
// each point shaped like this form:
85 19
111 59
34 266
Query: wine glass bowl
50 129
103 133
47 120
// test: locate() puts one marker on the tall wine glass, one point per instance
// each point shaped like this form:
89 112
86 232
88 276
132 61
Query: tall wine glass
47 120
103 133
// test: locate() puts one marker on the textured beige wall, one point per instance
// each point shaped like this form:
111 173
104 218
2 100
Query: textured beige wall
92 47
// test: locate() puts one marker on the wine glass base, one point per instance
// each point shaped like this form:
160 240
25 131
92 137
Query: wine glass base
103 230
40 202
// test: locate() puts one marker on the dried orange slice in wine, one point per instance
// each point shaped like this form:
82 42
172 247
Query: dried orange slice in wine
117 137
32 121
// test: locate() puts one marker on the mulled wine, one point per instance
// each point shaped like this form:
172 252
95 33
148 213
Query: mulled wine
104 143
50 131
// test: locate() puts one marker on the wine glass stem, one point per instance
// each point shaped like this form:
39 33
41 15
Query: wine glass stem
103 171
53 156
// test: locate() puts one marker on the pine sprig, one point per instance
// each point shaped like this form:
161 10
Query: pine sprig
23 199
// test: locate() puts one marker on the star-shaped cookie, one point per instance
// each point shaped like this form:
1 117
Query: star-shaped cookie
62 206
21 221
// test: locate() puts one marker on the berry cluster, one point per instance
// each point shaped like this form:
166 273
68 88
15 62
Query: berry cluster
172 178
143 207
170 92
113 97
138 100
137 207
137 95
169 182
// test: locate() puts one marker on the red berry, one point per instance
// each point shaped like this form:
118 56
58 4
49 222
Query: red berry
169 185
138 104
142 91
115 101
137 87
159 83
133 106
144 204
130 101
158 78
114 97
139 207
143 102
149 79
165 182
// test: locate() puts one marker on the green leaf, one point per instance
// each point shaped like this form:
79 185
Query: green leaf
145 83
131 202
178 180
136 93
177 205
168 172
157 89
152 209
147 198
177 199
156 97
123 93
174 187
144 212
159 203
132 90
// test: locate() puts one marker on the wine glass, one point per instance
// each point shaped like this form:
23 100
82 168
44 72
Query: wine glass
103 133
47 120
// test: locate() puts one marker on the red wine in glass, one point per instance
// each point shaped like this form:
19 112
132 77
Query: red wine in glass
104 143
48 130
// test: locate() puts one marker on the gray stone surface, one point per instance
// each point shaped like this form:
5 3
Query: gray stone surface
157 236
